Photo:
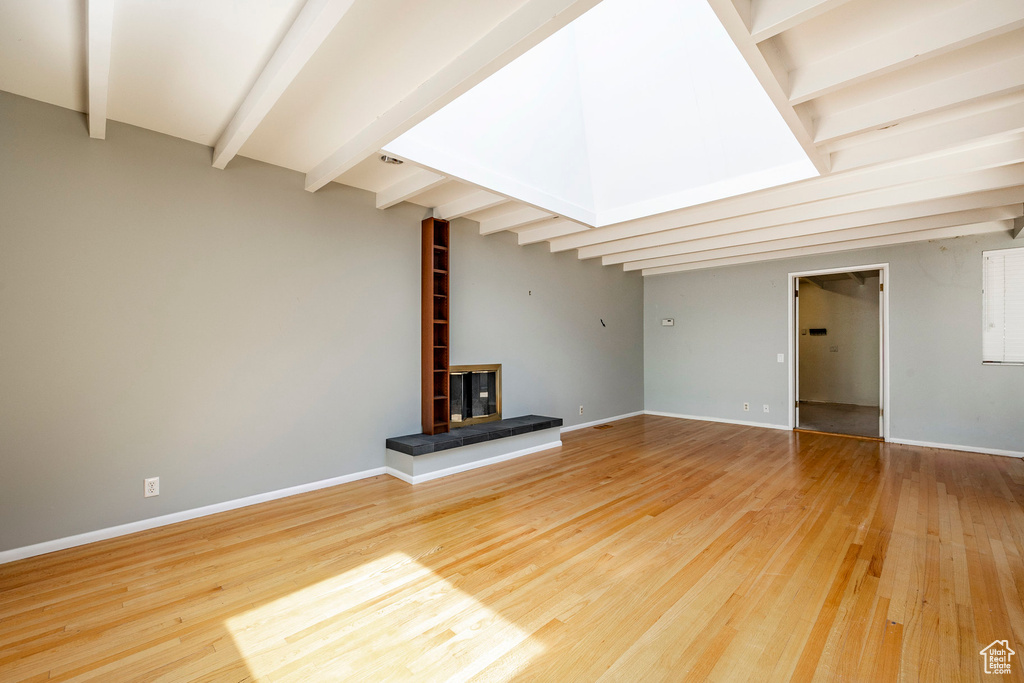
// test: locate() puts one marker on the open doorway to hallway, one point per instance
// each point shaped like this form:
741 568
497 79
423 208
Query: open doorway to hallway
839 352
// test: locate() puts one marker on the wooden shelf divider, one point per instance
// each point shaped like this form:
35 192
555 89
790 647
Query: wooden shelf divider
434 340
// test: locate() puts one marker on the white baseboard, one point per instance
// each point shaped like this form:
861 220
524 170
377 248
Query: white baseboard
906 442
428 476
601 422
701 418
398 474
174 517
953 447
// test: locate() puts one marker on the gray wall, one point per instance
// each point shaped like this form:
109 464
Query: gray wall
539 315
732 321
234 334
842 365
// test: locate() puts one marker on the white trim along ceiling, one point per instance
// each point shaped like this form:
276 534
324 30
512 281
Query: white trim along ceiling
911 112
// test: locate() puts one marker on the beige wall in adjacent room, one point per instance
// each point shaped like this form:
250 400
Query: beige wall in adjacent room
842 365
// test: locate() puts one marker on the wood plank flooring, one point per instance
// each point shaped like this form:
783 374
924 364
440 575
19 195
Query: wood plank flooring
659 549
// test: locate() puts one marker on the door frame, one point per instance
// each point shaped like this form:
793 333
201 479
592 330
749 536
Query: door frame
794 361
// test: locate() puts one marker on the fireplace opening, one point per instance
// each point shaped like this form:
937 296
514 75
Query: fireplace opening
475 394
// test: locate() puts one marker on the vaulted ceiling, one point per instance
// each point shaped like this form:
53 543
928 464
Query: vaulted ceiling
911 111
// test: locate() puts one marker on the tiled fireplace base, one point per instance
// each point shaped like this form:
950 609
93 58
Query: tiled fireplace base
419 457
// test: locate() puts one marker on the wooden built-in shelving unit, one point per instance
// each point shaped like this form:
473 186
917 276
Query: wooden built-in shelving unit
434 360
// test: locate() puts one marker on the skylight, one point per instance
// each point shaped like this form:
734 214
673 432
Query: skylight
636 108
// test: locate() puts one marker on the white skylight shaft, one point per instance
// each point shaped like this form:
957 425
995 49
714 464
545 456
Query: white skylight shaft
636 108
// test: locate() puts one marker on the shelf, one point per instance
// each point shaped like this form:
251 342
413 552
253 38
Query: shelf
435 325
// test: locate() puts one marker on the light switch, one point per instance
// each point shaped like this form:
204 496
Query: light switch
782 358
668 322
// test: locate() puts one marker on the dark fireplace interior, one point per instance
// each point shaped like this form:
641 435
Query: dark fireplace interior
475 394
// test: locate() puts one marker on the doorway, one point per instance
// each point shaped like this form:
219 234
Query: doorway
838 334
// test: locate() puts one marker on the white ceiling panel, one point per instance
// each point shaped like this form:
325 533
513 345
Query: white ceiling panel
182 67
42 51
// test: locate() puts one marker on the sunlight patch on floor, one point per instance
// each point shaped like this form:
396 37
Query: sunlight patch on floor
390 618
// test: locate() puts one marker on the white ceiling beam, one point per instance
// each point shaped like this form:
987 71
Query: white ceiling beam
812 281
525 28
843 238
770 73
549 229
938 165
1018 226
477 200
311 27
523 215
937 234
821 233
940 190
1001 205
973 84
912 140
101 25
899 46
772 17
408 188
857 277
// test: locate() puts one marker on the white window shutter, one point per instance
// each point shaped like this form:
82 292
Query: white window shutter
1003 306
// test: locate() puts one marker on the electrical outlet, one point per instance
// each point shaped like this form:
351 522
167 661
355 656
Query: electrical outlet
581 410
766 407
746 407
151 487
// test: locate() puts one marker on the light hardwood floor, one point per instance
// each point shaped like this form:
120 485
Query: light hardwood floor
658 549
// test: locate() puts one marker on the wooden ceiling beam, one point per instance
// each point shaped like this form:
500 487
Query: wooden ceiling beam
101 25
942 164
882 201
311 27
912 140
772 17
857 230
888 240
477 200
549 229
523 215
408 188
971 85
898 46
526 27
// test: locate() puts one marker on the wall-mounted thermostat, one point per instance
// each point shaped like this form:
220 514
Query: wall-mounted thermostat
668 322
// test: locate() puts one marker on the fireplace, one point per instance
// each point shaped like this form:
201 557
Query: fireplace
475 394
